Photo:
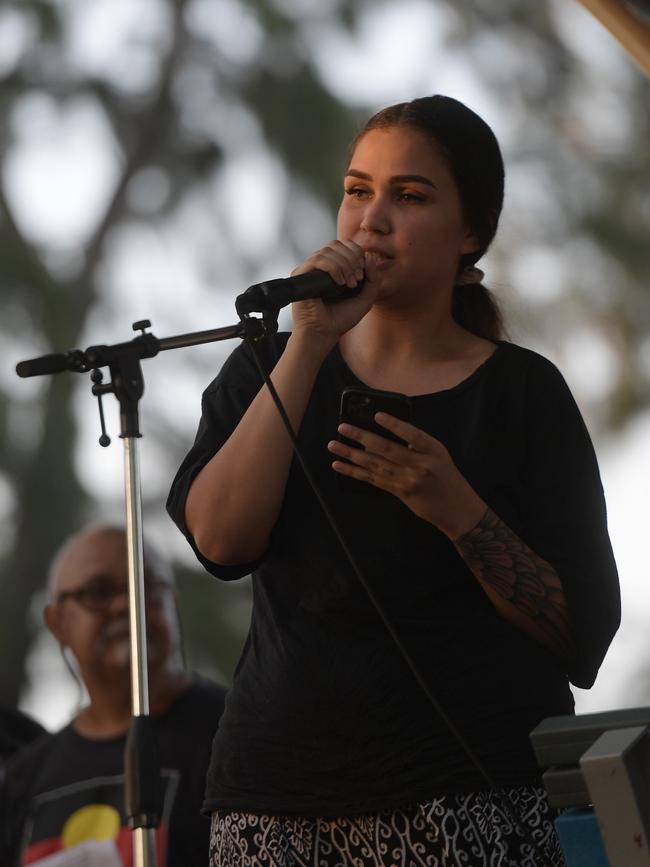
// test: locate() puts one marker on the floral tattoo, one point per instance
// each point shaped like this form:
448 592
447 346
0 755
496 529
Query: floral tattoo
508 570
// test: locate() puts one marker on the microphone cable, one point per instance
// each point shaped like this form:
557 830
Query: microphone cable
385 619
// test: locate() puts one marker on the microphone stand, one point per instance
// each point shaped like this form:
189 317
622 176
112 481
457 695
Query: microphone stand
142 773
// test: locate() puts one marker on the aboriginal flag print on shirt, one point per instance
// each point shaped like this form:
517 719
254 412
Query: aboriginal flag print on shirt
90 810
47 785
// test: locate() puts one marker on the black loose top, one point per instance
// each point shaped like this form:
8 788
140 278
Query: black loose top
324 717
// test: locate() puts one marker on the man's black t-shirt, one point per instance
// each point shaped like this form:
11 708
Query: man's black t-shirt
66 788
324 717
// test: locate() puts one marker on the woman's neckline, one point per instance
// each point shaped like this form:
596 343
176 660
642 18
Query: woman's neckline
443 392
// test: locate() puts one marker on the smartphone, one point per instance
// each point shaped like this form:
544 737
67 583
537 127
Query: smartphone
359 405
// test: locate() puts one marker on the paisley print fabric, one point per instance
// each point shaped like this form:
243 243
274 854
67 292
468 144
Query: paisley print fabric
474 830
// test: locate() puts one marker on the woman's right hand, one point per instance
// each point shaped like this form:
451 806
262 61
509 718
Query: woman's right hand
234 502
346 263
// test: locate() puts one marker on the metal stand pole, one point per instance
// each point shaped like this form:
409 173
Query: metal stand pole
133 503
144 838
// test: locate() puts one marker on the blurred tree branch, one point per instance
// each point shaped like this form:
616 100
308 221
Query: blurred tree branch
50 500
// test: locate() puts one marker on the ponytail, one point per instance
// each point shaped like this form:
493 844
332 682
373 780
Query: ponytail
475 309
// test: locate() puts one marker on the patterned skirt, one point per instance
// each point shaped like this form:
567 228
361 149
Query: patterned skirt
474 830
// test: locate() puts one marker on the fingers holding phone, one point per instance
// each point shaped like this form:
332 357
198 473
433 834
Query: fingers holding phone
389 453
359 406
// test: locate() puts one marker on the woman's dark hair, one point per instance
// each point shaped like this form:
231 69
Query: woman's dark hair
475 161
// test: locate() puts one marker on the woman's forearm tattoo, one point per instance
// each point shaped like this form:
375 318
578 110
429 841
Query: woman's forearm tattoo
505 565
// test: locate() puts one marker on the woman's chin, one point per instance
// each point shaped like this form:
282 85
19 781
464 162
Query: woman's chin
385 290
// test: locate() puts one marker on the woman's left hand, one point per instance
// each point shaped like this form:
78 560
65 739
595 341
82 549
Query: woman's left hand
421 474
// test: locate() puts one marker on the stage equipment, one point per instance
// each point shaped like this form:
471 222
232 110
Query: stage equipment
600 764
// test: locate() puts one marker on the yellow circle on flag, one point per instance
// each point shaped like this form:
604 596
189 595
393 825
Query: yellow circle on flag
92 822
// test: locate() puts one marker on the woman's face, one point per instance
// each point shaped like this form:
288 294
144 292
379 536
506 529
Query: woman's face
401 204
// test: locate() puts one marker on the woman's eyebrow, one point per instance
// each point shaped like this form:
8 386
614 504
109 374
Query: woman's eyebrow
396 179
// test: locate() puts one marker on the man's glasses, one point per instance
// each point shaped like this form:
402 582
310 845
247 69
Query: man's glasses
99 595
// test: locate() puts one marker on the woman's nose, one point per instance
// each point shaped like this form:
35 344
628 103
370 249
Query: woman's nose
376 218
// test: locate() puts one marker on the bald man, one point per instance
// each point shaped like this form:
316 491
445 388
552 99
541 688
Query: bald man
66 790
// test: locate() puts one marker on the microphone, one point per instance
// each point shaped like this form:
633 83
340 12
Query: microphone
274 294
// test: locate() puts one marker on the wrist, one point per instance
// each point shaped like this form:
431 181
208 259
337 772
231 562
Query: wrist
467 517
311 347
